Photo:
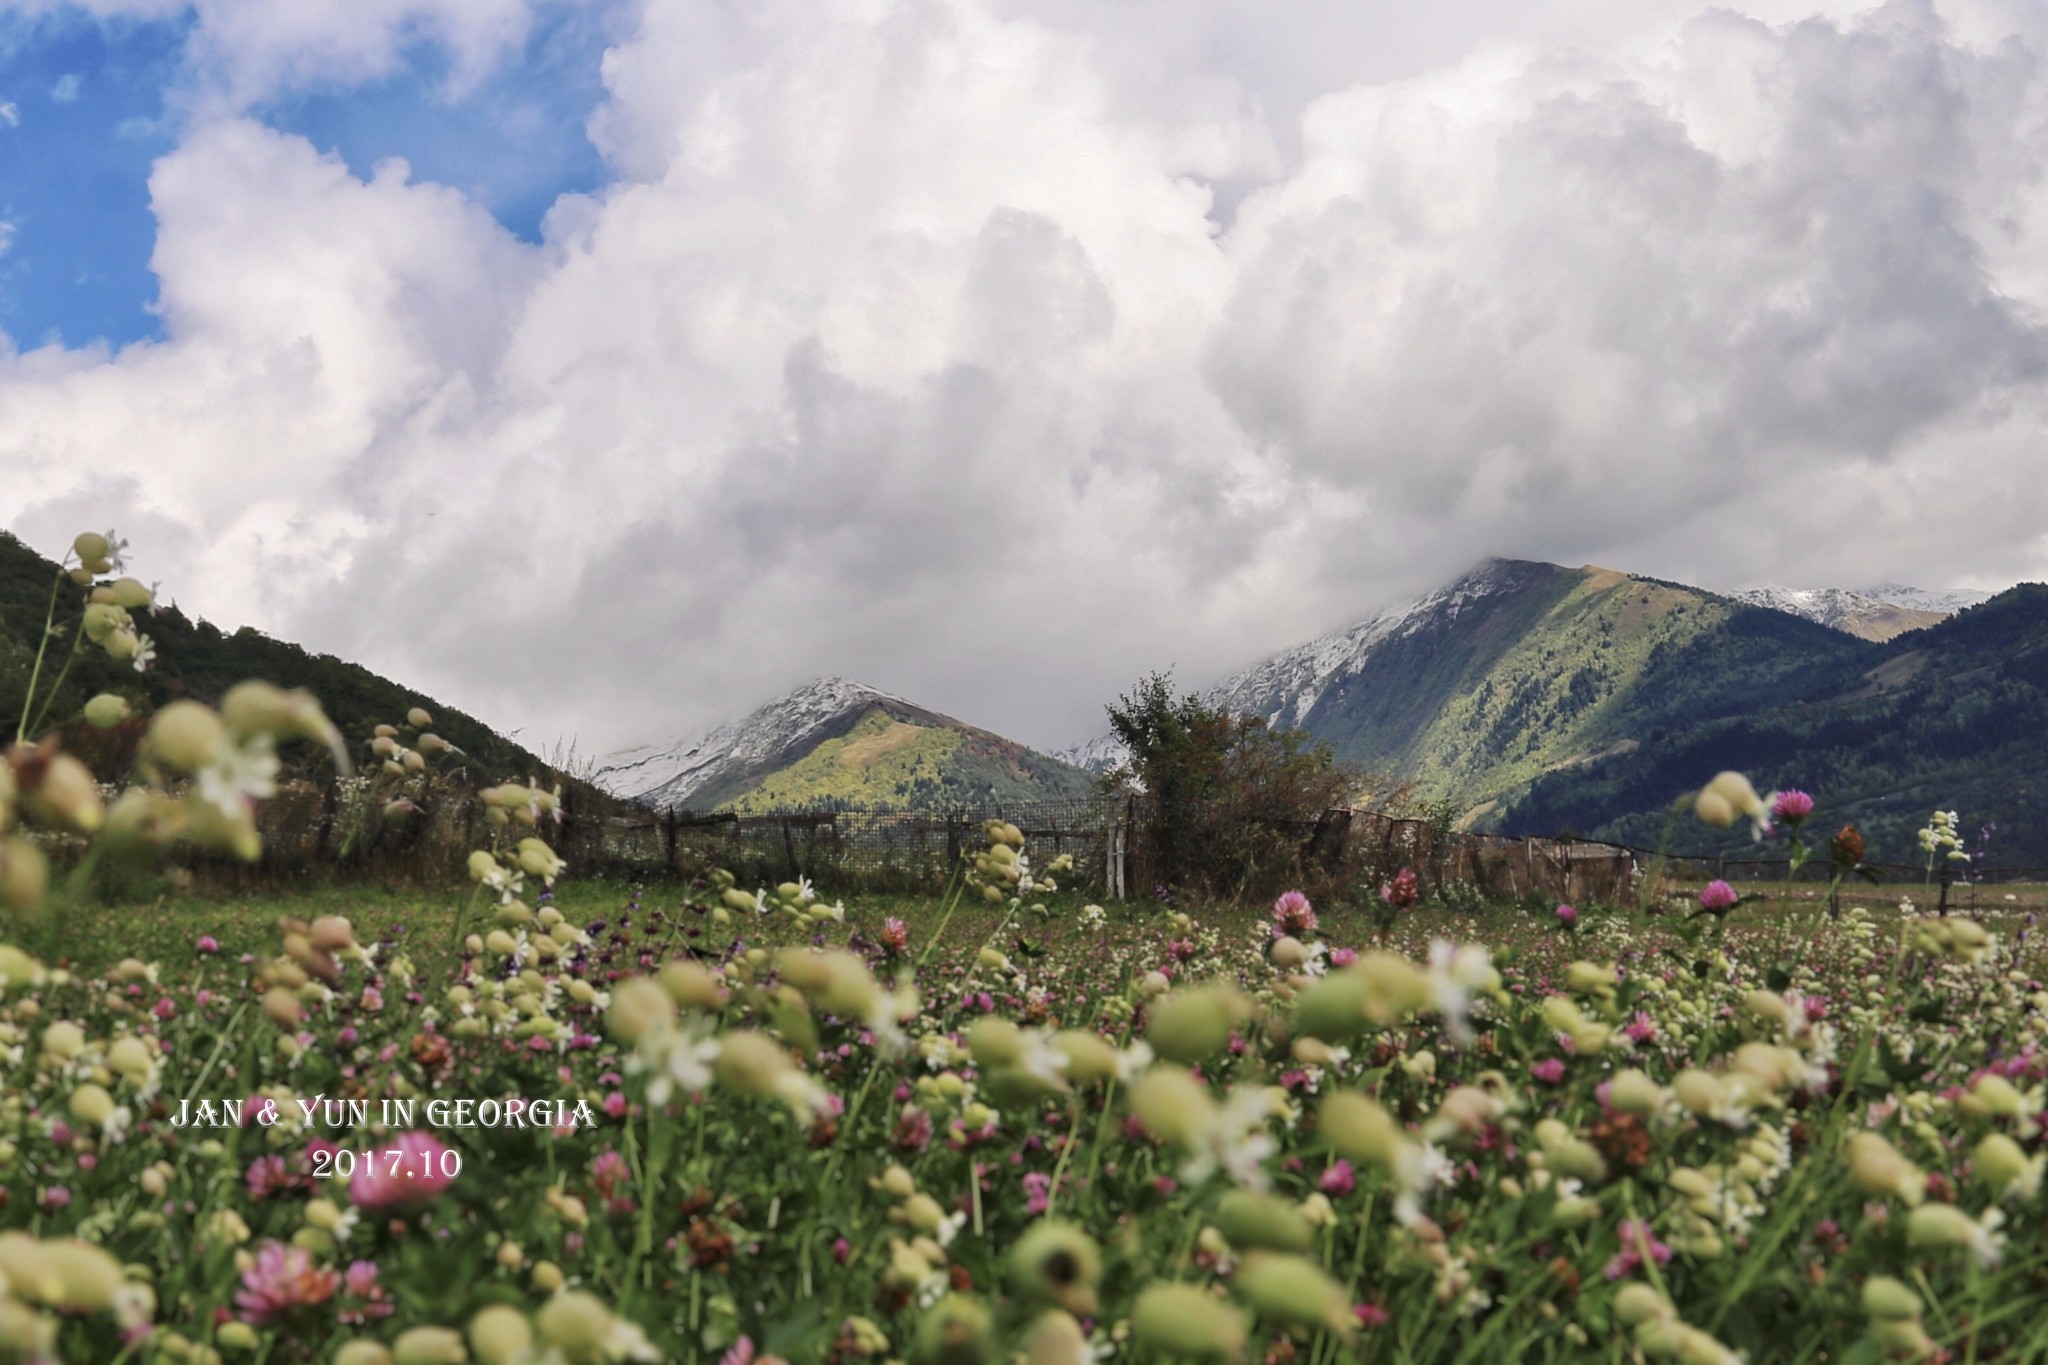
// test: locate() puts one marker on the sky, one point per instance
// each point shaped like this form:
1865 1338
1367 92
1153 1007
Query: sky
606 367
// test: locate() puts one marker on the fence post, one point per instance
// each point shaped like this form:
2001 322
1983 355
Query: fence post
668 838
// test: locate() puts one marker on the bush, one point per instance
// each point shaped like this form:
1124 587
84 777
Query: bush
1227 806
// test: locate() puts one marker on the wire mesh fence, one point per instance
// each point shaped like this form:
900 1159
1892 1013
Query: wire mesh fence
864 849
345 829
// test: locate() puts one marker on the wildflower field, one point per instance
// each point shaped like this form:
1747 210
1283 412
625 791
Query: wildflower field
563 1123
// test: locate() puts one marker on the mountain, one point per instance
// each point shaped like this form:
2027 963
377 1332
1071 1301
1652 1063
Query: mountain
1542 699
1950 716
1518 668
1879 613
197 659
835 742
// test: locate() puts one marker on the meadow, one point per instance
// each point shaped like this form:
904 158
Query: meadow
542 1121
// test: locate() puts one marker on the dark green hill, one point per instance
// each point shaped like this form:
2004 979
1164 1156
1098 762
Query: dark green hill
196 659
1953 716
1524 669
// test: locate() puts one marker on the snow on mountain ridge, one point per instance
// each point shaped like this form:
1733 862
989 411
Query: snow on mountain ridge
1852 609
1948 601
1285 687
668 775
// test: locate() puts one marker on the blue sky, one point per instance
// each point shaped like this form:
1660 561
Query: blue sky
891 313
86 108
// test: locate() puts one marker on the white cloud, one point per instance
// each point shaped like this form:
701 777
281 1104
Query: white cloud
10 115
243 51
66 88
908 344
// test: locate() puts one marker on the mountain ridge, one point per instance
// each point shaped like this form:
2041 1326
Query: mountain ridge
834 742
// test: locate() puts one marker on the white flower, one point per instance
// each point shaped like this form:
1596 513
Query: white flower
1237 1142
239 775
626 1341
1455 975
1042 1060
145 653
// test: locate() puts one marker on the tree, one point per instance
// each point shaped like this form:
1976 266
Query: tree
1228 800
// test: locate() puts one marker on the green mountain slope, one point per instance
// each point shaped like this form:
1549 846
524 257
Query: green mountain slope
836 743
196 659
1952 716
885 760
1527 669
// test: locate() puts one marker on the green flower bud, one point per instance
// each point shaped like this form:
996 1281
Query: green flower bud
995 1042
538 860
1173 1105
362 1353
1193 1026
104 620
240 1336
66 796
106 710
131 593
24 874
1357 1128
18 969
88 1278
1941 1225
63 1040
1333 1009
1889 1299
1294 1290
1878 1168
2000 1163
576 1323
1902 1337
418 718
500 1335
751 1063
1059 1262
1260 1221
640 1009
1394 987
1091 1059
91 1104
186 736
95 552
429 1346
1639 1303
957 1331
1056 1339
1180 1319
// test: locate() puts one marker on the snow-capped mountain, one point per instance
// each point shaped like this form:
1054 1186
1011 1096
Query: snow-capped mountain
1877 613
1097 755
1285 687
667 776
1947 602
837 741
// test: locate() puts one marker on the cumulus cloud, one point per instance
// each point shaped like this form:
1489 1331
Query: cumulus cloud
995 351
